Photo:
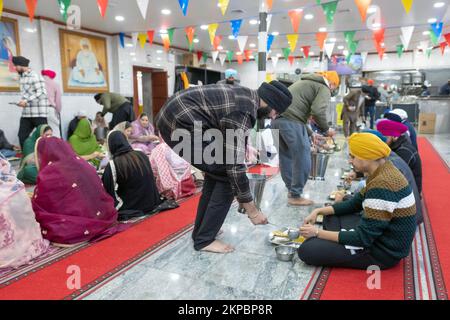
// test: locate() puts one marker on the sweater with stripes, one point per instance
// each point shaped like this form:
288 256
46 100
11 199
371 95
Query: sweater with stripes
388 222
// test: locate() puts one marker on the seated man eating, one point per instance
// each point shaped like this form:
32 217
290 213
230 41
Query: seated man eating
383 235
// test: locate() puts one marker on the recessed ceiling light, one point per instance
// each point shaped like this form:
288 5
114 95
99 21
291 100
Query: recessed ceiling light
204 27
345 52
275 33
309 16
332 40
196 40
129 45
311 53
159 51
253 22
166 12
239 53
132 54
31 30
163 31
120 18
231 37
439 4
341 47
323 29
426 33
372 9
252 45
432 20
220 47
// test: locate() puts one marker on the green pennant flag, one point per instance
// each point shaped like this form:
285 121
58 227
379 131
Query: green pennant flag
329 9
318 2
307 61
190 45
230 55
63 7
205 57
349 57
349 36
286 52
353 46
256 58
434 39
170 32
400 48
429 50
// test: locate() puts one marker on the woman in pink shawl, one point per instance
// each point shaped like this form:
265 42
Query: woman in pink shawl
143 136
69 200
20 235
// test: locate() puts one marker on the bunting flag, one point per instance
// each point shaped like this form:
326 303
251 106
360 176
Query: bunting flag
190 44
134 38
270 39
170 32
378 35
407 4
150 36
142 39
184 6
230 55
428 52
122 39
269 4
353 47
291 60
349 36
204 57
223 4
247 54
242 41
286 52
166 41
102 6
190 33
296 16
329 47
240 58
442 46
199 55
307 61
381 52
215 55
321 37
63 7
292 39
406 36
143 7
348 58
236 27
433 38
306 50
318 2
447 38
222 57
363 5
364 55
329 9
437 29
212 28
400 50
1 8
31 7
217 41
274 61
269 21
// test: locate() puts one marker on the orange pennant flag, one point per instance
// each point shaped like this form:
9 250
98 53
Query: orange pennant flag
321 37
363 5
378 35
102 5
269 4
216 42
190 32
31 6
150 36
166 41
296 16
247 54
240 58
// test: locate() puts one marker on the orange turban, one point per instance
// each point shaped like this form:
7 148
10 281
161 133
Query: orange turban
331 76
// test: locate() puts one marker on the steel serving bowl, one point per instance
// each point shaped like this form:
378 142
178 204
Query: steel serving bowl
285 253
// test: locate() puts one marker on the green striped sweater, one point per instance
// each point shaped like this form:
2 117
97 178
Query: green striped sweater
388 222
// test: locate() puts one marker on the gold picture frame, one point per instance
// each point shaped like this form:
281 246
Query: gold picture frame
84 60
9 47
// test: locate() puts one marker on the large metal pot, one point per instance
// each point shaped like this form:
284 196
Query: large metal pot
319 163
257 182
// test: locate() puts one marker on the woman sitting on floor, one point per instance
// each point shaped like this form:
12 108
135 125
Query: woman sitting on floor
143 135
100 128
69 200
85 144
27 170
20 234
384 234
129 179
124 127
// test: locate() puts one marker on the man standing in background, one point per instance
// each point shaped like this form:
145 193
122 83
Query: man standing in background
372 95
34 98
353 104
54 99
119 106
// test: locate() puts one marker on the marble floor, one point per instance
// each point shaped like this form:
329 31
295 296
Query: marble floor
441 143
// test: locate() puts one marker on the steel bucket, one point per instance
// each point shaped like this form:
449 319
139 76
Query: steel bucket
257 182
319 163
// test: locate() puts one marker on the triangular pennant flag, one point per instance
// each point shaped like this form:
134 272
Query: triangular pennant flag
166 41
63 7
242 41
329 47
212 28
318 2
447 38
214 55
247 54
307 61
142 39
437 29
363 5
407 5
292 39
1 8
236 27
407 33
269 4
222 57
184 6
190 44
364 56
170 32
329 9
353 47
150 36
134 38
223 4
270 39
274 61
204 57
428 52
269 21
296 16
320 37
102 6
122 39
349 36
306 50
190 32
286 52
199 55
143 7
442 45
378 35
433 38
230 55
31 7
400 50
217 41
381 52
348 58
240 58
291 60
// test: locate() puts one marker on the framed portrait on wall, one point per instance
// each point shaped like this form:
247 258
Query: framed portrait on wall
9 47
84 60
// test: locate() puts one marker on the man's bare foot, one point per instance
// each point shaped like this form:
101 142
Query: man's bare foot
300 202
218 247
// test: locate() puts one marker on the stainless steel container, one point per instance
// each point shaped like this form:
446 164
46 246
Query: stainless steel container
285 253
319 163
257 182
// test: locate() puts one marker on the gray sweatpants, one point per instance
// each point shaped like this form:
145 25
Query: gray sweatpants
294 149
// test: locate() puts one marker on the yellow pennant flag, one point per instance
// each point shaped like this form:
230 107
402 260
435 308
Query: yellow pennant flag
223 4
142 39
292 39
1 8
212 28
407 4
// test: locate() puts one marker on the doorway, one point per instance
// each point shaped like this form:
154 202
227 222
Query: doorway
150 91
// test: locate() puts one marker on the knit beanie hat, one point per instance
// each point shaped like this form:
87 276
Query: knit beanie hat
276 95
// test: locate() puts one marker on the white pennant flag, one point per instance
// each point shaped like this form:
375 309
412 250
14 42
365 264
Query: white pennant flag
143 6
242 41
222 58
214 54
424 44
275 61
134 37
407 33
269 21
364 56
329 47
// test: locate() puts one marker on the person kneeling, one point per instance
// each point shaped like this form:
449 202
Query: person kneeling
383 235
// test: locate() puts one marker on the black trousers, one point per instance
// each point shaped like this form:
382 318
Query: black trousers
324 253
27 126
124 113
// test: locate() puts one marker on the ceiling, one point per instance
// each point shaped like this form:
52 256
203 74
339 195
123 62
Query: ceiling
206 11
